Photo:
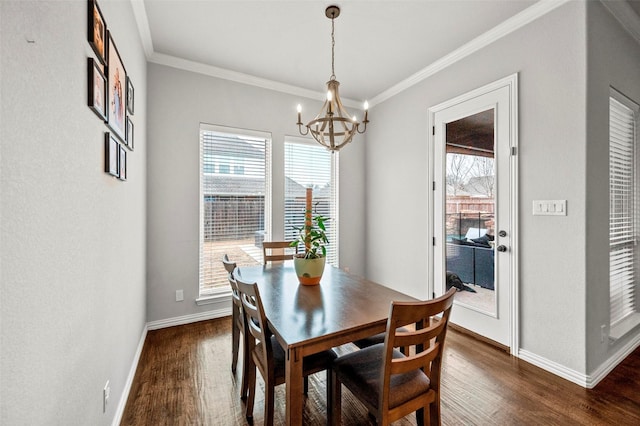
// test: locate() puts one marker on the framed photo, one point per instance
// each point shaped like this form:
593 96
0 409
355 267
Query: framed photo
97 89
129 134
97 31
111 154
117 85
122 163
129 96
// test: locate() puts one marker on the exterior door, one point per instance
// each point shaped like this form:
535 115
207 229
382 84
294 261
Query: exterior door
474 175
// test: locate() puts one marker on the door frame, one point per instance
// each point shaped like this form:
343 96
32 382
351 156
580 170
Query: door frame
511 82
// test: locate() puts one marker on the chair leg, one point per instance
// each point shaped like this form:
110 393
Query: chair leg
433 412
251 383
235 339
245 367
334 404
269 397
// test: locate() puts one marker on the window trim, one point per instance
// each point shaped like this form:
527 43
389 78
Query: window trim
630 321
219 294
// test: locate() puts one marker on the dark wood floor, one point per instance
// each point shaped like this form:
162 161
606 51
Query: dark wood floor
184 378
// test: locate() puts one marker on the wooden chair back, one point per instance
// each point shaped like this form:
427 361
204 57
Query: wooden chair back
228 265
256 325
273 251
430 319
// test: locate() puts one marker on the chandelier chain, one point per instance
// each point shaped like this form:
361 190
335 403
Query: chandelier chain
333 44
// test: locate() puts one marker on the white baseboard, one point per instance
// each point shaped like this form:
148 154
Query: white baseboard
588 381
611 363
117 418
187 319
553 367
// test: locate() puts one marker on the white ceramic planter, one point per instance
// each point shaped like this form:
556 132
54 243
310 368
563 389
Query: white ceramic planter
309 271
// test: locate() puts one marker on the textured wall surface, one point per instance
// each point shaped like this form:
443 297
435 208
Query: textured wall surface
72 237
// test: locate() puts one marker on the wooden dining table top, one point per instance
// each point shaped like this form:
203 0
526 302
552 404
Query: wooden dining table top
341 304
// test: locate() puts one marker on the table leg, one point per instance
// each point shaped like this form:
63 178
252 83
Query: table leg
294 387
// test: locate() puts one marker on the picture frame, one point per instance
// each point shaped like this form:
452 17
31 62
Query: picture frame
129 134
97 96
122 164
97 31
117 78
111 154
130 97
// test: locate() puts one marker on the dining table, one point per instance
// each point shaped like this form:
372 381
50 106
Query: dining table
308 319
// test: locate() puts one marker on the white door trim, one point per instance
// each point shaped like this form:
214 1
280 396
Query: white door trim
512 83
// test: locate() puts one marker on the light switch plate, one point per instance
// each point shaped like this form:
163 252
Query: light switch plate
549 207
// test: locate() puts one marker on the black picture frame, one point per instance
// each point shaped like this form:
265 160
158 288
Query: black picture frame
129 134
122 163
111 154
130 97
97 99
117 80
97 31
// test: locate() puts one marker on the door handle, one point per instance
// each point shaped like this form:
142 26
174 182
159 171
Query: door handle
502 248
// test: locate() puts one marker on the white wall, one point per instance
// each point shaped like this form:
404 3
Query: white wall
178 102
613 60
72 237
550 56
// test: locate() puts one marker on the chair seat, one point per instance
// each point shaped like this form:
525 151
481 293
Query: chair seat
310 364
375 339
363 370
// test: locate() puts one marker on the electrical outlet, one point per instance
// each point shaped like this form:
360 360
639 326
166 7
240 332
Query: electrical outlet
106 393
179 295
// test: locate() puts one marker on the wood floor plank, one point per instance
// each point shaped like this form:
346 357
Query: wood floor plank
184 378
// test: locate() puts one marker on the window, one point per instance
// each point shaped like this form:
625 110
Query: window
235 207
623 212
307 164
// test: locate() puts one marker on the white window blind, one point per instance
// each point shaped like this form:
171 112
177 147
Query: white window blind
623 213
306 165
235 193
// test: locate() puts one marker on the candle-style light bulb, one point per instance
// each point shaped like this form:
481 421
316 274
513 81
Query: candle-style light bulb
299 116
329 99
366 105
366 112
299 108
329 95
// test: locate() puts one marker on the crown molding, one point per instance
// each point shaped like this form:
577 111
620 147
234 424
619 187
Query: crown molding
510 25
140 15
518 21
624 13
238 77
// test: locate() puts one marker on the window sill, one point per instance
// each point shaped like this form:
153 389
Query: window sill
218 297
625 326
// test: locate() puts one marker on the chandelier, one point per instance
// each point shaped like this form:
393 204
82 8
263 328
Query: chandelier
333 128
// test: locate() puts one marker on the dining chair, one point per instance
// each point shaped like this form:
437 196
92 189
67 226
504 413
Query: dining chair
267 355
277 250
390 384
237 326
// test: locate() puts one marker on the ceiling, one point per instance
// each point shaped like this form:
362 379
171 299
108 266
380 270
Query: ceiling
378 44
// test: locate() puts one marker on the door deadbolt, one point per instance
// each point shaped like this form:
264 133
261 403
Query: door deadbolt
502 233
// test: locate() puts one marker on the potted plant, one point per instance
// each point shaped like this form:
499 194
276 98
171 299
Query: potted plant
309 265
